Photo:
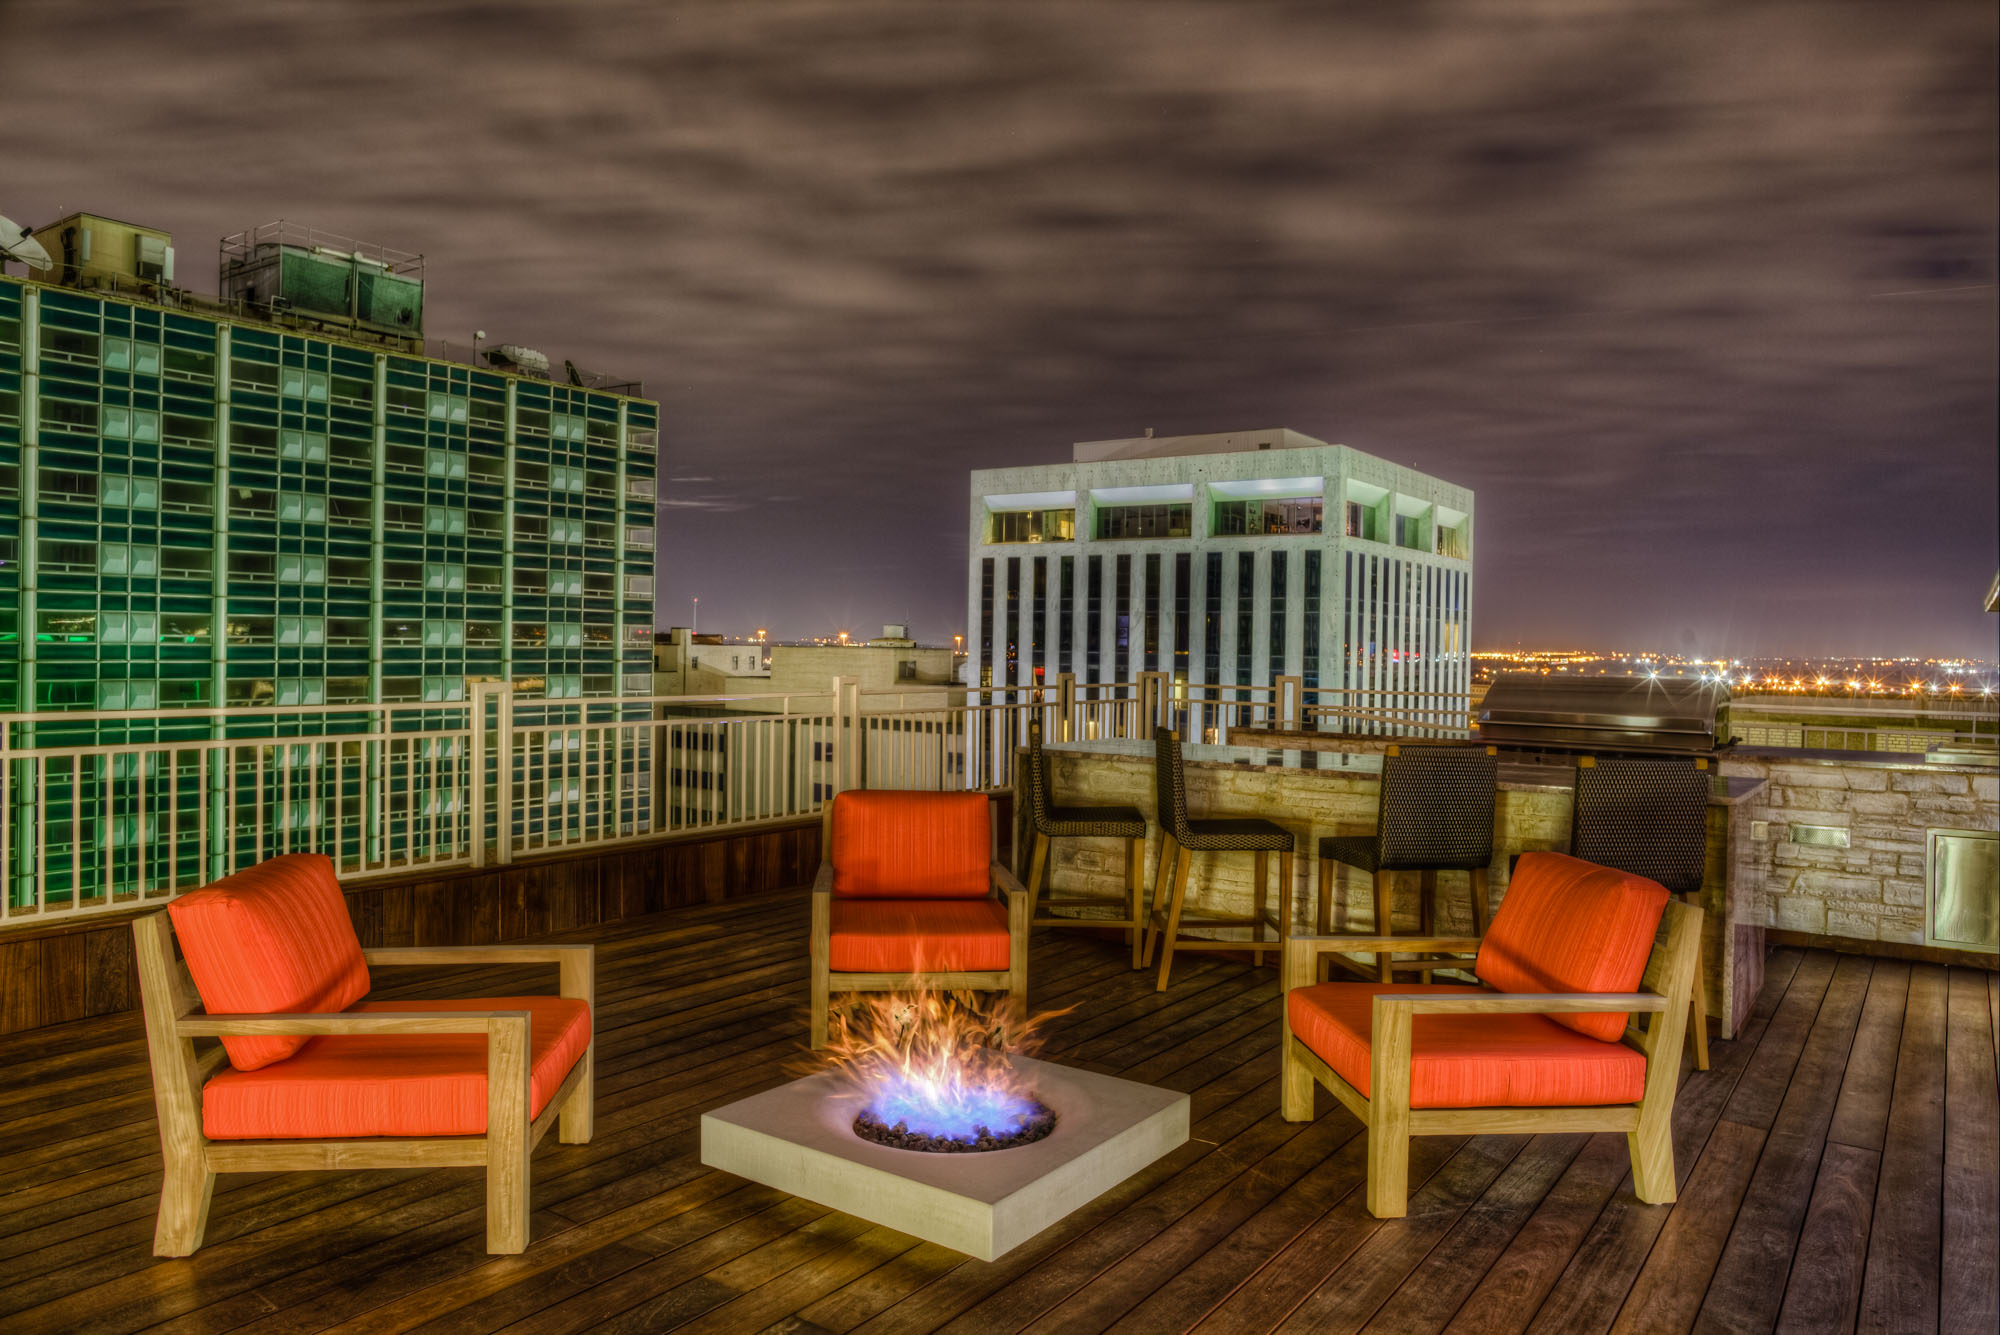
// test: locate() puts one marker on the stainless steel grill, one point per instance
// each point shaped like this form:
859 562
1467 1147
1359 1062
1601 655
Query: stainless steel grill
1605 716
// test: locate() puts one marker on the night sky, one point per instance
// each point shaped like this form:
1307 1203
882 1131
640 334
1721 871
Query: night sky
1698 298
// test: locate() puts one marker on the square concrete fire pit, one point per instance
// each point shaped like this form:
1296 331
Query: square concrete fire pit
800 1139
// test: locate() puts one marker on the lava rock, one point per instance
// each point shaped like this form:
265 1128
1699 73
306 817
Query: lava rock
900 1137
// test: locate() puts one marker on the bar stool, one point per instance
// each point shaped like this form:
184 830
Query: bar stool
1181 837
1649 817
1434 813
1052 822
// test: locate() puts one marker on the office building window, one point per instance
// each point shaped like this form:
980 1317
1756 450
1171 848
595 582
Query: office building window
1033 526
1144 521
1038 620
1246 618
1211 622
1268 518
1310 615
1183 607
1278 581
1066 615
1121 603
1361 522
1149 636
1011 630
1093 619
986 622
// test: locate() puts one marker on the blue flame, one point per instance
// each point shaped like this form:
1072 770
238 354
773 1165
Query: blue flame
950 1109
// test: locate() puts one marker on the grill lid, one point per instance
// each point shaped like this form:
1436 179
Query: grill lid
1673 716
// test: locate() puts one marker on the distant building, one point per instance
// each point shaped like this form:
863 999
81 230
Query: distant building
1225 559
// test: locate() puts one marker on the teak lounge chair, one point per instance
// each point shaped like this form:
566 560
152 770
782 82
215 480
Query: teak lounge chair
907 895
312 1076
1543 1047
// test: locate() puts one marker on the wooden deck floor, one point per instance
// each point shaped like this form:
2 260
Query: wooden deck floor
1837 1168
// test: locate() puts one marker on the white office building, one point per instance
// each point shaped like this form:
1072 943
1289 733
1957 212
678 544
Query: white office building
1223 560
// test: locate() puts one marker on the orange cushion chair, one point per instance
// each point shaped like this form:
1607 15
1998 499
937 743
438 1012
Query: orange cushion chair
1574 950
310 1074
908 896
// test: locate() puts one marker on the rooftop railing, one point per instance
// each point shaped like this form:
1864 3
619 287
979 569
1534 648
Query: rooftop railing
106 811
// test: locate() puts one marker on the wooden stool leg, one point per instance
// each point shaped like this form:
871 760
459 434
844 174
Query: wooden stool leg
1158 904
1698 1013
1326 875
1427 905
1173 929
1259 903
1038 869
1481 913
1385 920
1284 906
1135 860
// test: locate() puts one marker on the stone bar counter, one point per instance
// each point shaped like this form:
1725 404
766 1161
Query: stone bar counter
1314 793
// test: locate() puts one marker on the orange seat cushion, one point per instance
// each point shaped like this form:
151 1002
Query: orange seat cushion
1566 925
342 1085
918 936
1468 1061
889 844
272 938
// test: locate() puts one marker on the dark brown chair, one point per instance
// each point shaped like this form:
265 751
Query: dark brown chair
1650 818
1052 821
1434 813
1181 837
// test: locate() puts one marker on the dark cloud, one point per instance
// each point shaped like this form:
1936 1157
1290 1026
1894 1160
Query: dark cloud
1698 297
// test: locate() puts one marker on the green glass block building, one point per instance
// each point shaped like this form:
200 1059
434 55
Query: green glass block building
199 508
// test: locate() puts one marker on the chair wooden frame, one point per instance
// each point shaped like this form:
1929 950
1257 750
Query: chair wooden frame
174 1020
1168 916
1648 1124
1041 882
826 980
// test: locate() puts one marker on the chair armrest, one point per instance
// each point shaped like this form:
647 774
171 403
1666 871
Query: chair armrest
577 963
1376 945
470 955
1517 1003
1006 880
366 1022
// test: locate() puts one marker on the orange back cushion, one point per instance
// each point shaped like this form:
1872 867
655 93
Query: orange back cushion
889 844
1571 926
274 938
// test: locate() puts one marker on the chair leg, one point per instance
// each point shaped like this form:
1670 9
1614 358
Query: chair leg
1135 861
1389 1116
1385 920
1427 896
1157 905
507 1137
1481 913
1038 867
1652 1149
1173 928
578 1120
186 1189
1698 1014
1284 906
1326 875
1260 901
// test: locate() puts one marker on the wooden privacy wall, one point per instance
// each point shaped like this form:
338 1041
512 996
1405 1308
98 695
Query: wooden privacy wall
75 969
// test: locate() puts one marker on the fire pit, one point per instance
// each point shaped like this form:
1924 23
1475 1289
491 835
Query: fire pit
932 1127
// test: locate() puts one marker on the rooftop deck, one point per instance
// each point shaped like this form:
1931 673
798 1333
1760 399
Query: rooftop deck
1837 1163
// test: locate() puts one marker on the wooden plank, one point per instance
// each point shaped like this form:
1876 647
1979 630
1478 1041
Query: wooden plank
1741 1296
1540 1255
1861 1116
1971 1215
1823 1290
1668 1291
1900 1286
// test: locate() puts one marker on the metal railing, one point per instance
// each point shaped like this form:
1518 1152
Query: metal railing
110 810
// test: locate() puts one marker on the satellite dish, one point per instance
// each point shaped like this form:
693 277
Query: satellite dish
17 244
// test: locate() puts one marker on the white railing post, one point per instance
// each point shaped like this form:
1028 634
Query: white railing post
503 770
475 770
